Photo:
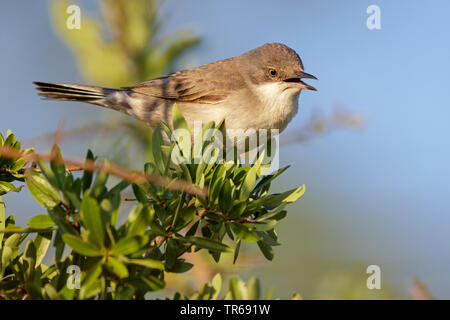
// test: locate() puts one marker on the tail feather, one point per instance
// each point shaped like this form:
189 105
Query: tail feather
73 92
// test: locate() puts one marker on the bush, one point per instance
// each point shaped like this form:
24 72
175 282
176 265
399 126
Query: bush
180 208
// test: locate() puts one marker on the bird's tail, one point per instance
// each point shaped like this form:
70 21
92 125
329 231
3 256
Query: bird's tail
73 92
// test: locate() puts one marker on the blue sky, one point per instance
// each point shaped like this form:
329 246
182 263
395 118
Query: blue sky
380 193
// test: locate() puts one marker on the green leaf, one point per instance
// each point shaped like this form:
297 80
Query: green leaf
157 142
42 243
184 217
40 221
268 179
227 196
82 247
206 243
181 133
177 119
295 195
237 209
237 289
58 215
180 266
143 217
265 226
9 253
129 245
51 292
118 268
250 179
153 283
6 187
244 233
13 240
193 229
87 175
48 173
296 296
2 221
269 294
90 286
92 220
148 263
266 250
217 285
100 181
44 193
139 193
254 289
59 246
285 197
236 250
58 166
29 259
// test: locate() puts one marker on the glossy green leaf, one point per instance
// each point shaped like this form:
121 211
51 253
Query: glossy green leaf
90 285
117 267
185 216
266 225
236 250
216 283
92 220
6 187
44 193
42 243
153 283
250 179
244 233
129 245
2 221
87 175
144 215
237 289
40 221
148 263
157 142
100 181
29 259
254 289
82 247
58 166
206 243
266 250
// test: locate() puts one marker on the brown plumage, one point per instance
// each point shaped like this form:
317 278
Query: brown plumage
258 89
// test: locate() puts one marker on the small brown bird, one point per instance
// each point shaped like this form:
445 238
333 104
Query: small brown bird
258 89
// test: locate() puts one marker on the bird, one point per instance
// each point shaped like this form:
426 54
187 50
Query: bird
258 89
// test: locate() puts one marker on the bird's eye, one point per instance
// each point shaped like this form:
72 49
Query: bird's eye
272 72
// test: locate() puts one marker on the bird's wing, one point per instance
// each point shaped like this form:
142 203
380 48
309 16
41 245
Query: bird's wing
199 85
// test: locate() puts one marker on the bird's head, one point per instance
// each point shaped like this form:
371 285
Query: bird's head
276 63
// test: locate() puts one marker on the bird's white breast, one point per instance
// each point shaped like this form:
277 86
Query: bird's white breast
279 104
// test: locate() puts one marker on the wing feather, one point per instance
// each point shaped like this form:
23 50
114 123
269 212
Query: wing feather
199 85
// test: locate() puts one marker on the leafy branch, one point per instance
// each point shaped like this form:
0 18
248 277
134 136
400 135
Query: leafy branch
130 255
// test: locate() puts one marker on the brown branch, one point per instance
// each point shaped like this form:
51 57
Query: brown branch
320 125
68 170
418 291
110 168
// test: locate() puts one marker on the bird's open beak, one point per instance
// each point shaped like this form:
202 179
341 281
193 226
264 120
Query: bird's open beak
297 80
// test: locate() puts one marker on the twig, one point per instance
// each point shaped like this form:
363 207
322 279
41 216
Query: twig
110 168
418 291
320 125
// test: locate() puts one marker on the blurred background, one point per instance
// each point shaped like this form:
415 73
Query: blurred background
371 144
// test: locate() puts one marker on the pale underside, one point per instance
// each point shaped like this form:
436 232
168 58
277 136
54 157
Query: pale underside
269 106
